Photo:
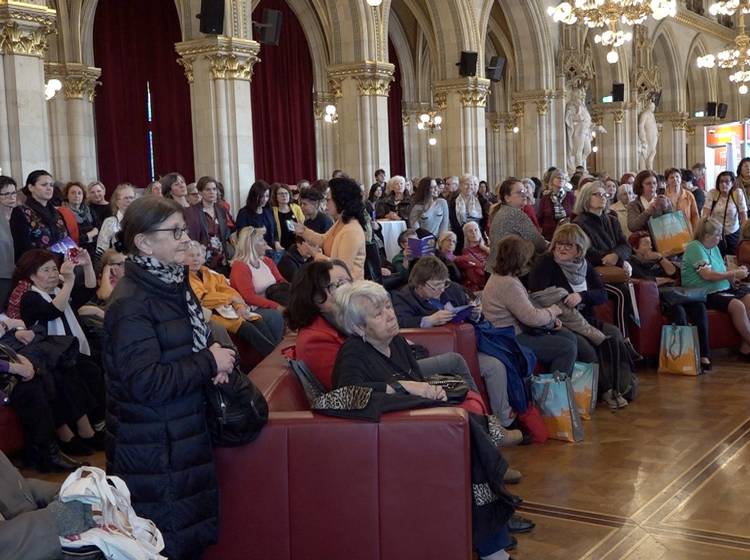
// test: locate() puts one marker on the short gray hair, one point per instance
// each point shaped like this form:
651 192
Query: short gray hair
706 227
356 301
583 197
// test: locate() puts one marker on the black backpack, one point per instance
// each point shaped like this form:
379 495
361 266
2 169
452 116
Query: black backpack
236 412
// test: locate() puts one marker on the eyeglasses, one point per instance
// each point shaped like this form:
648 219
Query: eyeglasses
600 194
559 245
178 231
117 263
337 284
437 285
9 193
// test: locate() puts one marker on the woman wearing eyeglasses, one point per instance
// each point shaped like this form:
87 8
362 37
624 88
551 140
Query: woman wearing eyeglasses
8 200
159 355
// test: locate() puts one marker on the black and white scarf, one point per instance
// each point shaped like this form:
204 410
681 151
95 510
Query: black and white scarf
175 274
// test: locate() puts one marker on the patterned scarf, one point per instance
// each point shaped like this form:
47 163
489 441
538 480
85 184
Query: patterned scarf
175 274
557 204
468 209
574 271
82 214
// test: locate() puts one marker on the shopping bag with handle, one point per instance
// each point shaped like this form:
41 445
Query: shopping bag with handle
679 352
585 379
553 395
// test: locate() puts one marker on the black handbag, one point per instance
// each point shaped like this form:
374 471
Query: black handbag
236 411
455 387
679 295
8 381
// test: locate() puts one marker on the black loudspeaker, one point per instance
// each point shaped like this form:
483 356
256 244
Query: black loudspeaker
496 68
270 27
618 92
721 110
212 17
711 109
468 64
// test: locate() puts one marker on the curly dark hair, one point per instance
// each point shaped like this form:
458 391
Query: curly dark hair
347 197
257 190
424 190
30 263
309 290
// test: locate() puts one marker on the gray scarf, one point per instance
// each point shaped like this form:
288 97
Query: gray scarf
175 274
574 271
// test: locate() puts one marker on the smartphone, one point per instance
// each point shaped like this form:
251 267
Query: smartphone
74 254
661 191
290 225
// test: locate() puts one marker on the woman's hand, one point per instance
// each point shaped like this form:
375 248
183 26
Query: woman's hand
424 390
299 228
440 317
557 325
92 233
277 246
24 368
224 358
740 273
15 323
67 273
392 216
555 309
573 300
220 378
610 259
25 336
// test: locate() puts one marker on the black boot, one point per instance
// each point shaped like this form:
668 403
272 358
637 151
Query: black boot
53 460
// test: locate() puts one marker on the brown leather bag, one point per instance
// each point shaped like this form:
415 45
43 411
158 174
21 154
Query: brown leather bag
612 274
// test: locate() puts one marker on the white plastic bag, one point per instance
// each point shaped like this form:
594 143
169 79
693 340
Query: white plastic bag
120 534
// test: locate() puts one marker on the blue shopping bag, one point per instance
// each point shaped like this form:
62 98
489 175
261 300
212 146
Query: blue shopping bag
553 395
585 380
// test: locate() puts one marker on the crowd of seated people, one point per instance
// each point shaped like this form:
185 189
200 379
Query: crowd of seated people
528 256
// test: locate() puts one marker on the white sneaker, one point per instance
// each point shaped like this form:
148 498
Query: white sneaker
609 398
621 402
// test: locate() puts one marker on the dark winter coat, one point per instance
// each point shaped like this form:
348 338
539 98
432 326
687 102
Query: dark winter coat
606 237
157 436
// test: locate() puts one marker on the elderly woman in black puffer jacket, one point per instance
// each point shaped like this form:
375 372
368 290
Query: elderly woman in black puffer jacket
158 356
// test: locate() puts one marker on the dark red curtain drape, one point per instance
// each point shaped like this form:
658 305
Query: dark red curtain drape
282 101
134 46
395 123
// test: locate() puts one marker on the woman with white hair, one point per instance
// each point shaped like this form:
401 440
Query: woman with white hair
396 203
376 356
466 207
625 196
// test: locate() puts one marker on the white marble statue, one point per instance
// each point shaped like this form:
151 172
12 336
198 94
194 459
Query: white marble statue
579 129
648 136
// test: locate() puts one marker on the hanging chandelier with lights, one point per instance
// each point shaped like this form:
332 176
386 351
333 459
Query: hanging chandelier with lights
736 58
431 122
610 14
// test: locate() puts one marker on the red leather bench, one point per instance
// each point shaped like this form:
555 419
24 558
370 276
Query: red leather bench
313 487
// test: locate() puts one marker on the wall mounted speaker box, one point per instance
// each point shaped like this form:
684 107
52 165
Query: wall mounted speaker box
270 27
468 64
496 68
721 110
711 109
618 92
212 17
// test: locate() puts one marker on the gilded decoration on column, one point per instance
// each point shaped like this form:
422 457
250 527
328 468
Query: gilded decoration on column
187 66
334 84
321 101
680 124
518 109
30 42
542 106
441 100
405 118
472 92
78 81
367 85
618 116
372 78
575 61
229 58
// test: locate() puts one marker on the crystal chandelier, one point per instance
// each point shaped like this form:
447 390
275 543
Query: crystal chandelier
431 122
736 58
610 14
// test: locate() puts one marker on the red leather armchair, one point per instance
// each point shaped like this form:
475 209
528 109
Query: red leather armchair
313 487
11 436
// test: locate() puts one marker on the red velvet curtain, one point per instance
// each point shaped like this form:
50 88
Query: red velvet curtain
134 45
282 101
395 123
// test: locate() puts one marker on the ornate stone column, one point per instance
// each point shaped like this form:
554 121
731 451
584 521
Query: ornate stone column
495 148
671 150
326 135
538 133
24 129
615 148
362 93
464 138
71 118
219 70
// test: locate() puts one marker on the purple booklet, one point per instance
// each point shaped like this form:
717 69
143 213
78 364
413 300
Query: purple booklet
421 247
462 313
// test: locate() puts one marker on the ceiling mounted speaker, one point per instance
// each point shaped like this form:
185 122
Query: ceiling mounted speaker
711 109
496 68
212 17
618 92
270 27
721 110
468 64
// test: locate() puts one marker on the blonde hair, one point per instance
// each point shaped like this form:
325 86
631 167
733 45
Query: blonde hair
446 235
571 233
705 227
392 182
245 251
116 196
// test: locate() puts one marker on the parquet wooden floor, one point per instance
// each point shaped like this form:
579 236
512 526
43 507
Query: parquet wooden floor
667 478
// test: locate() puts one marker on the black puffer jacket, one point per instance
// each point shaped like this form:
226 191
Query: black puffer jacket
158 441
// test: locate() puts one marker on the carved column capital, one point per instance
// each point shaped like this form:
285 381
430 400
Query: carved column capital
229 58
320 101
79 81
372 78
24 28
472 92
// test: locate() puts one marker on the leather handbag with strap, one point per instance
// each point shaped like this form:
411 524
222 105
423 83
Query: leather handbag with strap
612 274
8 381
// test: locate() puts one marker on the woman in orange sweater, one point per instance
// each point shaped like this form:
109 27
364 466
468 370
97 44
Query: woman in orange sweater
227 306
253 274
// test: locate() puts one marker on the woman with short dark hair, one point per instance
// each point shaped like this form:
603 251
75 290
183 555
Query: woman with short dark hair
345 240
173 186
75 200
648 203
506 302
159 355
728 205
208 224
